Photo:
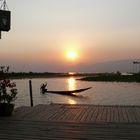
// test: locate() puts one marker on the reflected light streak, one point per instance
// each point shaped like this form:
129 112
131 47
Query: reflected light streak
72 73
72 102
71 84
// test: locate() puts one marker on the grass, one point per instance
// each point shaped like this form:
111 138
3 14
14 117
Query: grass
113 78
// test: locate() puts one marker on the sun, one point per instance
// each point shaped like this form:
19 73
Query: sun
72 55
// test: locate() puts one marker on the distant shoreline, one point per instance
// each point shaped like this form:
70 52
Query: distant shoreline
103 77
113 78
45 75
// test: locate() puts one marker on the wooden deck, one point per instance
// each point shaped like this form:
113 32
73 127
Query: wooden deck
79 113
72 122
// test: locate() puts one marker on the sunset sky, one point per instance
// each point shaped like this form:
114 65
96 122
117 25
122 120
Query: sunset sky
66 35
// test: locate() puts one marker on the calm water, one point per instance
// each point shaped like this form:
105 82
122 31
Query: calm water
102 93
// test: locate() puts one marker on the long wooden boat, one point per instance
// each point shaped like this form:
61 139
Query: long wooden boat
69 92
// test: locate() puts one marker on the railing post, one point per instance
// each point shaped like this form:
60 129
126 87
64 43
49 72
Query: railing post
31 96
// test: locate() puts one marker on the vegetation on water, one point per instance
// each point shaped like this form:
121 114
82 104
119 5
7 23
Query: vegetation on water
113 78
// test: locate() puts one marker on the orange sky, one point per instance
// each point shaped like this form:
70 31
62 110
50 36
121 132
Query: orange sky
43 31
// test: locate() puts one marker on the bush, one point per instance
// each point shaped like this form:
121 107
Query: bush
8 89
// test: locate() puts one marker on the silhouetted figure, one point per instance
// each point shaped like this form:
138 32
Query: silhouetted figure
43 88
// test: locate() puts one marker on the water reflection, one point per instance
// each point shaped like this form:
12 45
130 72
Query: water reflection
71 83
71 86
71 101
103 93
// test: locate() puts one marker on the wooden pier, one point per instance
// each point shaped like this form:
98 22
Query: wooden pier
72 122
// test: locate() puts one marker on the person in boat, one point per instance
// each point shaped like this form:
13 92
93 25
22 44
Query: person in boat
43 88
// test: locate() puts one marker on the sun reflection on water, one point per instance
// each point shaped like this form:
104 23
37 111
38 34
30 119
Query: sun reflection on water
71 101
71 83
71 86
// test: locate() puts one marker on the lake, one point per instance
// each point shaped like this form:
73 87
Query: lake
102 93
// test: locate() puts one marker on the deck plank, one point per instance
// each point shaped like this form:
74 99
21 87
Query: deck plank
100 112
90 114
70 122
81 113
137 114
108 117
63 130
